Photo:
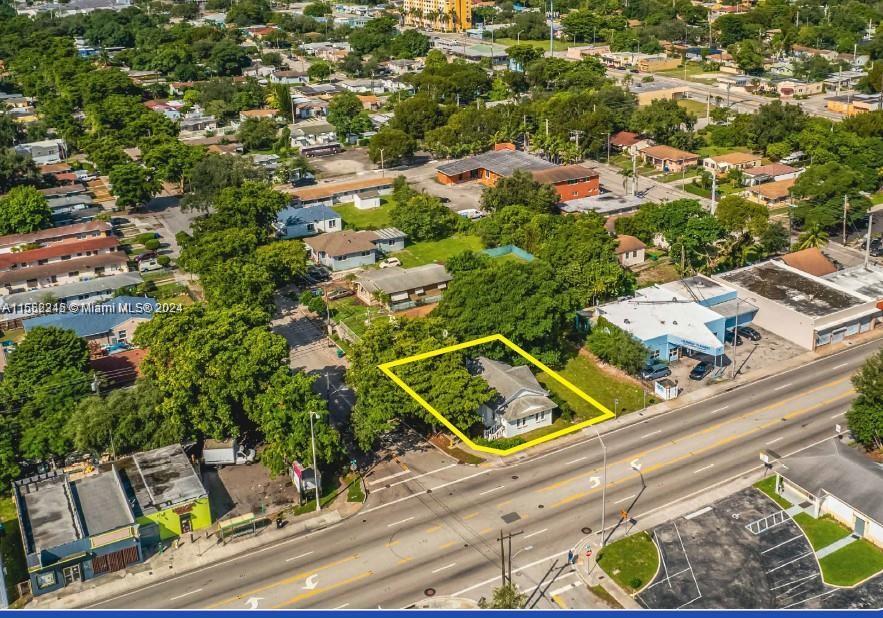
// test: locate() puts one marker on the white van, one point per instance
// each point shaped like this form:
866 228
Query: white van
148 265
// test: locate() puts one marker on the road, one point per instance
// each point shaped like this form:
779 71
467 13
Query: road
436 528
613 180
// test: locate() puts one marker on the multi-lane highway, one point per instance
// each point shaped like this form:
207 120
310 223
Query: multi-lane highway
436 528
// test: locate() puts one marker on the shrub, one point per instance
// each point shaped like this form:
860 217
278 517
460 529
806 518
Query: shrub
152 244
145 237
164 260
500 443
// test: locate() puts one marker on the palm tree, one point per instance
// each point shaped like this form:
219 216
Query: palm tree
452 12
814 236
440 19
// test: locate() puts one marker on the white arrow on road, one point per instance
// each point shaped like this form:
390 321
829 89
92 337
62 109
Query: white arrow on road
635 464
252 602
595 481
312 582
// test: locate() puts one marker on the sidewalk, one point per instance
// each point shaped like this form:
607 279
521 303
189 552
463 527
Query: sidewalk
204 551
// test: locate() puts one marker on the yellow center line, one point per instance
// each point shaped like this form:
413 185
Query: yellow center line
281 582
695 434
485 531
503 503
470 516
433 529
393 543
559 601
449 544
314 592
717 444
405 559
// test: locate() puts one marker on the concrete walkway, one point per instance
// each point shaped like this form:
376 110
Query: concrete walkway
830 549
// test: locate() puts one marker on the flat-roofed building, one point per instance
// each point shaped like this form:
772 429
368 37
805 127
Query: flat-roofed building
331 193
46 276
489 167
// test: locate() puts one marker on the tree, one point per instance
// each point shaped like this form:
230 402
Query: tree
748 55
424 217
347 114
283 259
227 58
257 133
319 71
520 189
617 347
523 55
738 215
813 237
417 115
390 146
279 98
661 120
133 185
172 160
506 596
317 9
865 416
10 132
821 190
282 415
22 210
16 169
214 172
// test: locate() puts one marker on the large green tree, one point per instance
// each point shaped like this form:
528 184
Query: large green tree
424 217
23 209
865 417
133 185
391 146
522 190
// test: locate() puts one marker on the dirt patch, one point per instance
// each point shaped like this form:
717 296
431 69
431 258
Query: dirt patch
237 490
444 443
418 312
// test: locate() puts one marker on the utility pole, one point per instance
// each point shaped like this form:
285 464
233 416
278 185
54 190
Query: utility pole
713 192
845 209
735 336
382 171
315 469
608 147
506 560
868 242
551 26
575 135
634 174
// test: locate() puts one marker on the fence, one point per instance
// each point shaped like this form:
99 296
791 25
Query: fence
507 249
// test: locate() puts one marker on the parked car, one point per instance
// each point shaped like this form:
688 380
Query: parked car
656 371
219 453
749 333
390 262
319 273
145 266
730 335
701 370
317 291
147 255
336 293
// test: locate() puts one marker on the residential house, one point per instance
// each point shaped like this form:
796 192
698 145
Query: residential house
772 172
111 322
46 276
720 165
771 193
58 252
629 143
68 204
75 529
366 200
389 240
44 151
489 167
402 288
839 481
657 62
647 92
630 251
331 193
370 101
343 250
811 261
668 159
309 107
289 77
519 405
363 85
195 121
54 235
843 80
258 114
313 133
298 222
789 88
403 66
572 182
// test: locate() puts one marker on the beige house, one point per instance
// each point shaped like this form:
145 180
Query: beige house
771 193
58 273
399 288
669 159
722 164
630 251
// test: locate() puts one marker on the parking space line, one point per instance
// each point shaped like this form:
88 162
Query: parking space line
799 536
799 558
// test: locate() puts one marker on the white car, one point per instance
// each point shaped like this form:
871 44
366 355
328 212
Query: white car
390 262
472 214
146 266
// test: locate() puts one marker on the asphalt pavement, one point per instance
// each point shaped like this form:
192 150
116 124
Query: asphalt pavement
434 531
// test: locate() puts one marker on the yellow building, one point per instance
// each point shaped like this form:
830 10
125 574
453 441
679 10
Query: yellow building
446 15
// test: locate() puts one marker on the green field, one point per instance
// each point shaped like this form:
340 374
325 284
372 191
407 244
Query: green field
768 486
631 562
821 532
542 44
694 107
421 253
11 548
852 564
583 373
371 219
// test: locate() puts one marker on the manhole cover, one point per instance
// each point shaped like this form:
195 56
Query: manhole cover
515 477
429 491
586 530
541 507
510 517
364 521
430 592
386 486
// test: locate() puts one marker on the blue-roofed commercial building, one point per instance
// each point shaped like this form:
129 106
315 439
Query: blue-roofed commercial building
300 222
108 323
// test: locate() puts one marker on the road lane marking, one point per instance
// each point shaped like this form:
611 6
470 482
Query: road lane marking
447 566
624 499
312 593
391 476
393 543
503 503
695 514
485 531
559 601
491 490
778 388
449 544
301 556
576 460
839 366
433 529
527 536
186 594
281 582
403 521
838 415
652 433
442 486
497 576
405 560
563 589
776 440
342 606
721 409
415 477
472 515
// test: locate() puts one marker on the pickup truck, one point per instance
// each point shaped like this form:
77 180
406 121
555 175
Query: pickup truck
226 453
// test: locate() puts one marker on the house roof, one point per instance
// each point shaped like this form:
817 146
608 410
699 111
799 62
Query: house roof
119 368
772 170
773 190
102 503
500 162
293 215
390 233
521 392
624 139
840 470
64 190
55 232
626 243
811 261
563 173
96 243
259 113
330 189
50 518
161 478
345 242
397 279
73 291
668 153
114 258
735 158
102 319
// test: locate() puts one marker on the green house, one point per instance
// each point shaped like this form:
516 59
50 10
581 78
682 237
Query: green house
166 494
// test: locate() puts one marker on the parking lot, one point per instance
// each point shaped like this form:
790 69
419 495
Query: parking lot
743 552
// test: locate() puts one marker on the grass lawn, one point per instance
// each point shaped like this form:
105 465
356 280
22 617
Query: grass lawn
852 564
696 190
11 548
354 492
693 69
583 373
715 151
328 495
877 198
352 313
13 334
371 219
821 532
768 486
694 107
542 44
661 272
690 173
631 562
438 250
544 431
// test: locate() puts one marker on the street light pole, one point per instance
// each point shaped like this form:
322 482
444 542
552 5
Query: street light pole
604 486
382 172
315 469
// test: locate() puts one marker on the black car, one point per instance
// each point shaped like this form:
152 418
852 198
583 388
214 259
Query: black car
730 335
701 370
337 293
749 333
319 273
656 371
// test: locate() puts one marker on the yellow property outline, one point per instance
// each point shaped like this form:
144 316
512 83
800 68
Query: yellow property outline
387 369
